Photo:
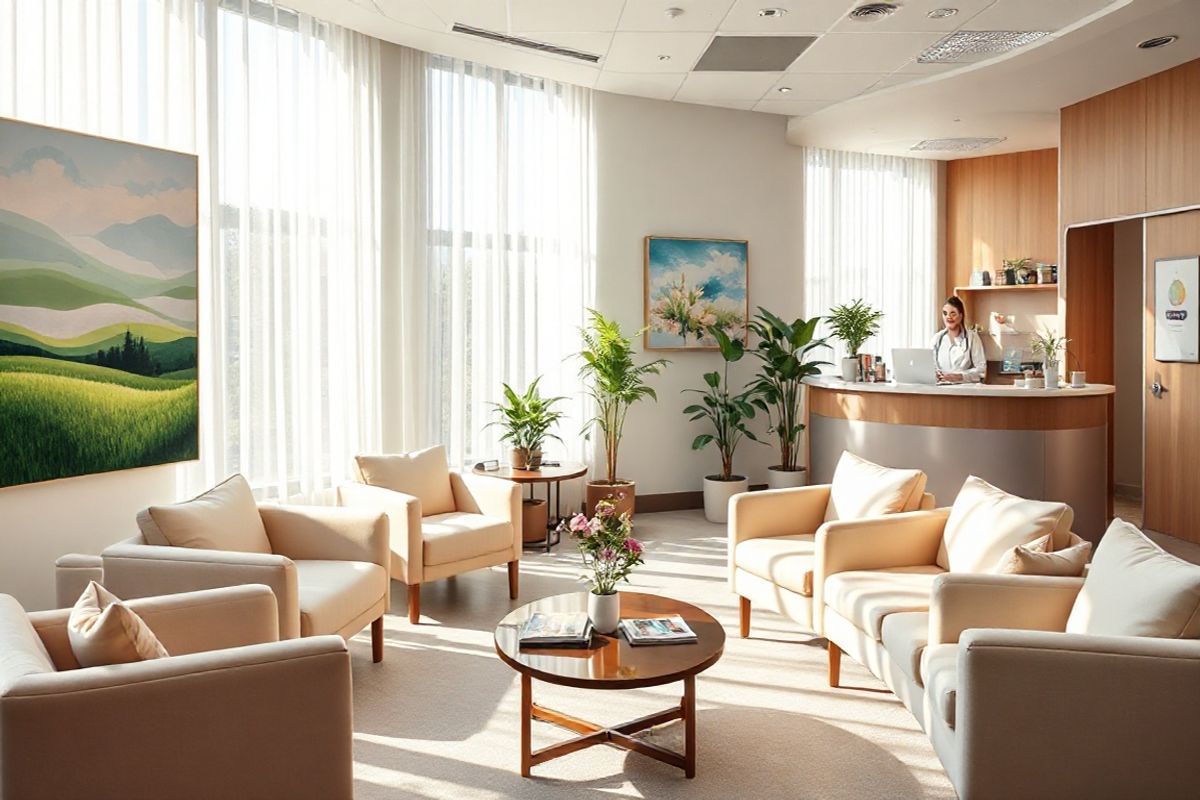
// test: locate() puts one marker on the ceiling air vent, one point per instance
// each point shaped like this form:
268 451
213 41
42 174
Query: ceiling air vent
873 11
965 47
1157 41
529 44
960 145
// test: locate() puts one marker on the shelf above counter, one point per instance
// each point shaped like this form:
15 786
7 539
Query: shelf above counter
1020 287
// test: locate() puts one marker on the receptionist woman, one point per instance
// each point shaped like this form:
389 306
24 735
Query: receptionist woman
958 352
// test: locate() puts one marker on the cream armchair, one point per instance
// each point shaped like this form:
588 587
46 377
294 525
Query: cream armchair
328 567
772 534
233 712
442 523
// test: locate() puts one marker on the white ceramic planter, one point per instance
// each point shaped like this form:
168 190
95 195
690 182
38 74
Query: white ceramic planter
850 369
1051 373
717 494
604 611
786 479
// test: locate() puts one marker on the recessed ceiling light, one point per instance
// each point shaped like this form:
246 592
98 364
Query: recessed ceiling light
942 13
784 89
964 47
1158 41
664 57
772 13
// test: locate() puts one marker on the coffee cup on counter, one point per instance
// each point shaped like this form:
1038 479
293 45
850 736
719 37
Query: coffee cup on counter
1078 379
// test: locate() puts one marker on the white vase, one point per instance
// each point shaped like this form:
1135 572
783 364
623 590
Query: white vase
605 611
779 478
717 494
850 369
1051 373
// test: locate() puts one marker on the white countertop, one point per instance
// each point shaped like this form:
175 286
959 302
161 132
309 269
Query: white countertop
960 389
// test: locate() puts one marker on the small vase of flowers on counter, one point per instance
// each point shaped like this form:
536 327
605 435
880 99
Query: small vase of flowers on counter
609 554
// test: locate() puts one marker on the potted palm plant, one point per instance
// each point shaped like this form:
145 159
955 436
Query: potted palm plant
615 382
784 349
727 413
853 323
1047 346
526 420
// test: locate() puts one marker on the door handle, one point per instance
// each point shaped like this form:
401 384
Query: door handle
1157 389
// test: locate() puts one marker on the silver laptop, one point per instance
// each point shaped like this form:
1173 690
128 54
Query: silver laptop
914 365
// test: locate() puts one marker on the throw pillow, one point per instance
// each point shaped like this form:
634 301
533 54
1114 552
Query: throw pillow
424 474
1135 588
986 522
103 630
223 518
1032 559
863 489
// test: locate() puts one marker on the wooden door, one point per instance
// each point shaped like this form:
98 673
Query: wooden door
1170 493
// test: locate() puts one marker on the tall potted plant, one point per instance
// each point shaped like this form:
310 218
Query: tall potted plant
853 323
1047 346
615 382
526 420
784 349
727 413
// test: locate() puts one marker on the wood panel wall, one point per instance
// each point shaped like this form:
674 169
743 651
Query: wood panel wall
1173 137
1103 155
1088 275
1000 207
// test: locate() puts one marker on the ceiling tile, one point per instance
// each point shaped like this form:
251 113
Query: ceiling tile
639 52
792 108
711 86
486 14
803 16
556 15
407 12
826 86
698 15
660 86
912 17
863 52
1035 15
738 105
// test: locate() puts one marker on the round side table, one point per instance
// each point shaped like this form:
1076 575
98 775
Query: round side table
553 478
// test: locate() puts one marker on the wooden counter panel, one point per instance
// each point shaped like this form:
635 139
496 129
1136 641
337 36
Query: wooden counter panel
947 411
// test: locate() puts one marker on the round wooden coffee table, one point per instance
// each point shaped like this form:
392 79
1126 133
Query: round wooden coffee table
552 476
611 663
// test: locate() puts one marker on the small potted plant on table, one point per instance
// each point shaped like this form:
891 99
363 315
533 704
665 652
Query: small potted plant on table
727 412
609 555
1047 346
527 420
853 323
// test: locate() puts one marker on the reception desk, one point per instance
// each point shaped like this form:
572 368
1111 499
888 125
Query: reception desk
1037 443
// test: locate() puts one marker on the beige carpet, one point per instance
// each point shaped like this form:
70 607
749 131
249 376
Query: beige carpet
439 717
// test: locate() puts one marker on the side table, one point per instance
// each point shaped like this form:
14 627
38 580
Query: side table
553 478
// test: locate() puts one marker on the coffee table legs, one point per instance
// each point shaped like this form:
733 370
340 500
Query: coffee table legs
620 736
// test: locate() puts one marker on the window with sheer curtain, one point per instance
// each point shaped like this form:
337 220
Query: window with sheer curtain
870 231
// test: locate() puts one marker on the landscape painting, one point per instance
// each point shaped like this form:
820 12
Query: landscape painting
98 265
692 285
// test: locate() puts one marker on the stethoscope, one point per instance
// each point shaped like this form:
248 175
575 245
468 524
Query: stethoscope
937 345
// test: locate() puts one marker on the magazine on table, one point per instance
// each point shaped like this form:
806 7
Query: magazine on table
658 630
557 630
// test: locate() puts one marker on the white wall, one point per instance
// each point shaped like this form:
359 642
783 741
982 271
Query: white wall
1128 288
42 521
671 169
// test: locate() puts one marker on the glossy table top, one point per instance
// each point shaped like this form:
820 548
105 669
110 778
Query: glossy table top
567 471
611 662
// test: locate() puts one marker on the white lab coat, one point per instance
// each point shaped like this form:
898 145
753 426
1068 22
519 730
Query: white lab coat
963 354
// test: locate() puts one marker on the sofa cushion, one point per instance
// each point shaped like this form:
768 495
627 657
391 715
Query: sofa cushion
905 635
786 561
939 675
866 597
223 518
986 522
1032 559
458 536
334 593
22 651
103 631
863 489
424 474
1135 588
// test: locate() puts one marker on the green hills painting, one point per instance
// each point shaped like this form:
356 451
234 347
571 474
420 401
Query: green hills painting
98 261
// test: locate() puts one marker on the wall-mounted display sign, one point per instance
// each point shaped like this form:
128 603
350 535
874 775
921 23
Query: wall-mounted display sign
1176 327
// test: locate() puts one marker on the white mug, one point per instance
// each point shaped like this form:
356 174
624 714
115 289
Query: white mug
1079 379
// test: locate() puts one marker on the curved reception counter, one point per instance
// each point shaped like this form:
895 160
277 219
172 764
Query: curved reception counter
1044 444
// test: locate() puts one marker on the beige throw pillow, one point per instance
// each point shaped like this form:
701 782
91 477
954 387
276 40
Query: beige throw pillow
102 631
1135 588
863 489
223 518
1032 559
424 474
985 523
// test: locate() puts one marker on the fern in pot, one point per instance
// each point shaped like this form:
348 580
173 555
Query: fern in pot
727 413
785 350
526 420
853 323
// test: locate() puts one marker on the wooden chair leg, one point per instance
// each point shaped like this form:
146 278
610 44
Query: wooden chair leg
414 603
745 613
835 665
377 640
514 578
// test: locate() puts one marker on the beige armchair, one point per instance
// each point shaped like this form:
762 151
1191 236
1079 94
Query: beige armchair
328 567
772 534
442 523
233 712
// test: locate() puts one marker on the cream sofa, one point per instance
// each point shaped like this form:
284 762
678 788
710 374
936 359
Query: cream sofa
233 712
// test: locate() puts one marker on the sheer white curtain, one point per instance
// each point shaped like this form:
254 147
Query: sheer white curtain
870 231
510 249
